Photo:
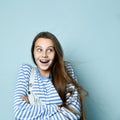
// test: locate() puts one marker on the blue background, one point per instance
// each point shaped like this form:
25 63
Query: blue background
89 31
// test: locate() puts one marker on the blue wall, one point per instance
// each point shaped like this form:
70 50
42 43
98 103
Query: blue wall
89 31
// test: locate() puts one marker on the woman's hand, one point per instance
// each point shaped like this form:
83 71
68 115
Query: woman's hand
25 98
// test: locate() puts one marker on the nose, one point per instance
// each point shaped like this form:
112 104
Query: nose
44 54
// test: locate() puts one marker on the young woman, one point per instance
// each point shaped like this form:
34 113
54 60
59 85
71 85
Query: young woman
54 84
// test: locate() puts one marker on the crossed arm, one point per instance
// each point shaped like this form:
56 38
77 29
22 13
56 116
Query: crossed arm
25 111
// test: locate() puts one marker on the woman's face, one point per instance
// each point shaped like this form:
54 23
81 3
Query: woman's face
44 54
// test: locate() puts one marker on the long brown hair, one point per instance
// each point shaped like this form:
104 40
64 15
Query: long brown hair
59 73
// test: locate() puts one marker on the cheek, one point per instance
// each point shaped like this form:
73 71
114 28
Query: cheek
36 55
52 56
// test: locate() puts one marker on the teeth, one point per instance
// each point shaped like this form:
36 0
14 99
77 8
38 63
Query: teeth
44 61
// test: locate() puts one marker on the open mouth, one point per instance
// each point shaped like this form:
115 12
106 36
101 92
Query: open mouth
44 61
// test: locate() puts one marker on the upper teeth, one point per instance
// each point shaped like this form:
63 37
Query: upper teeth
44 60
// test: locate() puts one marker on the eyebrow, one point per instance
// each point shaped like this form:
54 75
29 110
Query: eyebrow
41 46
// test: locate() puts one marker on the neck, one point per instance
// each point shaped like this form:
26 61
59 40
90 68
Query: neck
45 73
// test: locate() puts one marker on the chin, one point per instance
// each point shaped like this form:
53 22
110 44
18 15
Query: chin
45 68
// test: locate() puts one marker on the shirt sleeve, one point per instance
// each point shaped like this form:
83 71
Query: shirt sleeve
70 70
73 100
24 110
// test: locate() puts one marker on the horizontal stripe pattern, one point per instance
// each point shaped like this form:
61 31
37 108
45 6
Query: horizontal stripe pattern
45 90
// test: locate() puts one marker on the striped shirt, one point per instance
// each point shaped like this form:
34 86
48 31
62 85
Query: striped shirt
46 91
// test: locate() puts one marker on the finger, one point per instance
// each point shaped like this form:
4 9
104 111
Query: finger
23 98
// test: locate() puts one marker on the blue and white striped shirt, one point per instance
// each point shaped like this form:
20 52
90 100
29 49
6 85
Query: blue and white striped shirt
44 89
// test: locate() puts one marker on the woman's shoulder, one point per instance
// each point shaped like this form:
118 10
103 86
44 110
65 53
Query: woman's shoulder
68 66
70 69
26 67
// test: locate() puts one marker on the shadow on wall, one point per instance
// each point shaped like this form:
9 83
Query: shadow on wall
92 110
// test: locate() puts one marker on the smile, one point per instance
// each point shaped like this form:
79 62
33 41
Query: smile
44 61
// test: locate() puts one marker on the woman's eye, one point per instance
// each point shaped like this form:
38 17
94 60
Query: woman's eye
50 50
39 50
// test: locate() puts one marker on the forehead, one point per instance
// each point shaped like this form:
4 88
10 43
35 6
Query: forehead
44 42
